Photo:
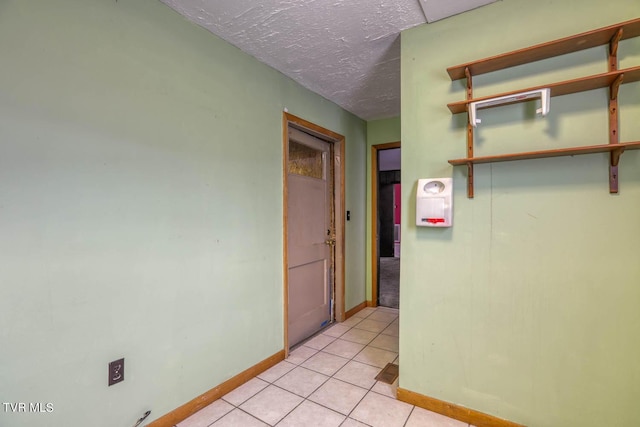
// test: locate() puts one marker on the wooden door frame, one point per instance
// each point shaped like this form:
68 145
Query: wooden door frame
374 217
338 142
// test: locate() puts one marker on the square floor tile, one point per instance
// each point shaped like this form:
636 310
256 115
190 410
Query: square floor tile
372 325
300 354
392 329
245 391
271 404
338 395
383 316
359 374
359 335
319 341
375 356
381 411
301 381
238 418
325 363
352 321
423 418
385 342
311 414
336 330
390 390
364 312
207 415
396 311
342 348
276 371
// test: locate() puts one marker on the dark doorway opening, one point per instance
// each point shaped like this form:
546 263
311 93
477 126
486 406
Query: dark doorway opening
388 227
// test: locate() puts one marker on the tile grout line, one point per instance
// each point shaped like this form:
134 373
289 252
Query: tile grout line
375 382
304 360
277 386
241 410
316 389
413 408
370 389
306 398
360 401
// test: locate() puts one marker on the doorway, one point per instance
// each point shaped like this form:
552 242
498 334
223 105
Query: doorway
386 216
313 191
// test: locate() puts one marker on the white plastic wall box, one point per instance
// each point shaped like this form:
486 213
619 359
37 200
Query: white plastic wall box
434 202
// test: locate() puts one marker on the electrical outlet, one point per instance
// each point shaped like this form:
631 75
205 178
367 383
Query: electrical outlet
116 371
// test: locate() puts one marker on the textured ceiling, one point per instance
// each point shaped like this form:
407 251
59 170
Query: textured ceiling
347 51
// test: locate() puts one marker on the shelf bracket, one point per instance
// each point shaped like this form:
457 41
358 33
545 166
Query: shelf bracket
470 127
613 50
614 156
613 89
613 44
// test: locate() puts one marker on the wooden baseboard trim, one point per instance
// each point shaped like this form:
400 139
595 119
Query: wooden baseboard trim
371 304
190 408
355 309
451 410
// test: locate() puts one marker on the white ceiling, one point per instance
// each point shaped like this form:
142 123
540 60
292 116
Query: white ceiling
347 51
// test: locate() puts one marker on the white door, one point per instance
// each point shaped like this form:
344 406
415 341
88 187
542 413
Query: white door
310 235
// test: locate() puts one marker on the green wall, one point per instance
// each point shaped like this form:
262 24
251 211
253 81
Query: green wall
527 308
379 131
141 208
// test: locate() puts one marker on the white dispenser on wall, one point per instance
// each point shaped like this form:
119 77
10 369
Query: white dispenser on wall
434 202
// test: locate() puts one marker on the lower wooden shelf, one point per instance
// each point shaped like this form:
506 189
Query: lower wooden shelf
571 151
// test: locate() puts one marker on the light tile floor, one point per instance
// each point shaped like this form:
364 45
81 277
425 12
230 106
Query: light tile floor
329 381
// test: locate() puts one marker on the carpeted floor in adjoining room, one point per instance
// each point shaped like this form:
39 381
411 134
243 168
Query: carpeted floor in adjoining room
389 287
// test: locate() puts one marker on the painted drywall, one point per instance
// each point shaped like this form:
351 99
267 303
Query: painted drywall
378 132
141 208
527 308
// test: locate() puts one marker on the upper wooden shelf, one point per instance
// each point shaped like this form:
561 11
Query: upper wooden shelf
571 151
547 50
581 84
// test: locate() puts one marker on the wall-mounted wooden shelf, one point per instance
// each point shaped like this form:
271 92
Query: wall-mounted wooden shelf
559 152
550 49
566 87
612 79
